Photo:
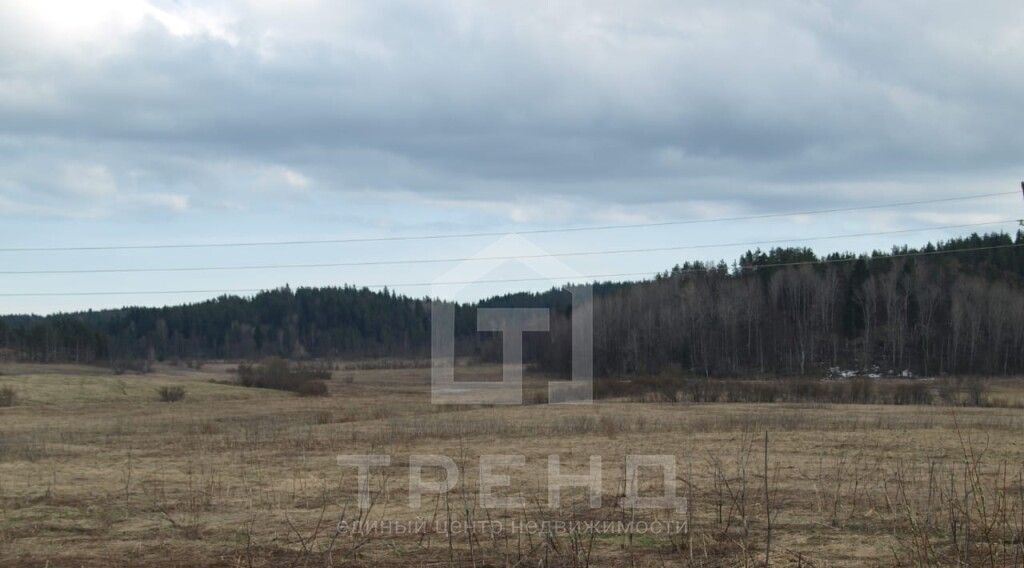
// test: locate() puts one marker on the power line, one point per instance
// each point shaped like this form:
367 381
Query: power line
488 258
500 233
131 293
874 257
591 277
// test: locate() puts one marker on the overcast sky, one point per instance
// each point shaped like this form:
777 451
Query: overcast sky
127 122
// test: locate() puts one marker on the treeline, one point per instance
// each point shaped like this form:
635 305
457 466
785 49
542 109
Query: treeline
793 313
785 311
297 324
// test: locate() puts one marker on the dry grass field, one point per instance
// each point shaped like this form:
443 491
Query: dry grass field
96 471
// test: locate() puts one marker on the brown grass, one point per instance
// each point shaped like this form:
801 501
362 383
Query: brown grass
95 471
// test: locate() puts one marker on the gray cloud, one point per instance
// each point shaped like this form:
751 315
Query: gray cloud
643 102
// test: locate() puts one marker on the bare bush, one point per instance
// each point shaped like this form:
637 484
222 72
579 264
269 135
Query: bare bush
912 393
313 388
276 373
387 364
977 391
862 390
856 391
8 397
171 394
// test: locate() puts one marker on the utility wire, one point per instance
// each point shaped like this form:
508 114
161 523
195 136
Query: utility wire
500 233
489 258
540 279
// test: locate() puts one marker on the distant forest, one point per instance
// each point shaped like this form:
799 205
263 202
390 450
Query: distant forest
781 312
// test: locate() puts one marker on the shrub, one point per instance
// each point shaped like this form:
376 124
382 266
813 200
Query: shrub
862 390
705 390
171 394
8 397
667 388
913 393
535 397
385 364
313 388
276 373
977 391
949 392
